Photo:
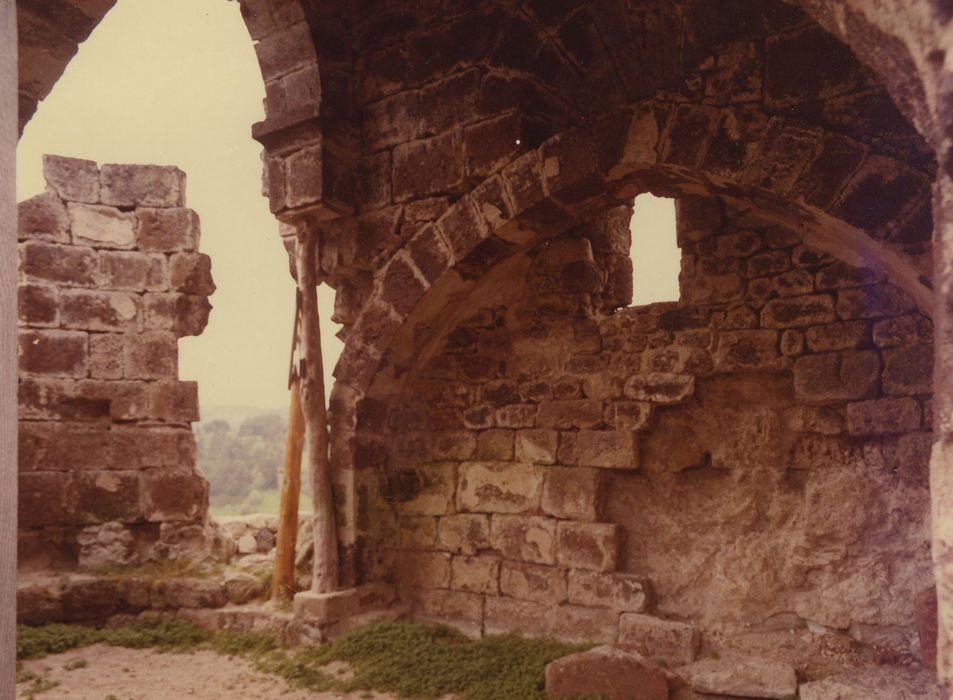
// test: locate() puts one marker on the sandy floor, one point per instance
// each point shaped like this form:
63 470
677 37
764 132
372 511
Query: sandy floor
134 674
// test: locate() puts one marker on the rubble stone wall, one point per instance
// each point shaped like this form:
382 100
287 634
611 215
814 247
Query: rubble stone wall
753 455
110 278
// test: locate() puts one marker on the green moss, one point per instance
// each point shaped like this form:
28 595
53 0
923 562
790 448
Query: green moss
410 659
39 685
77 664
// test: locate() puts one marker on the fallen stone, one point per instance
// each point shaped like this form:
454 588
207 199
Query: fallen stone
247 544
607 672
667 640
746 678
874 683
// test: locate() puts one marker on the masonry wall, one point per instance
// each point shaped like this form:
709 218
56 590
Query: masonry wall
755 455
110 277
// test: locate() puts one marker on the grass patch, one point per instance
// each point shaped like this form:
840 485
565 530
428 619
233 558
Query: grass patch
157 571
410 659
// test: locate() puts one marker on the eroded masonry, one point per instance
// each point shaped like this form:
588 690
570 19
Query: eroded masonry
514 446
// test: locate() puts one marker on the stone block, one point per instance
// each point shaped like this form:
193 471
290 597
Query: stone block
925 611
430 253
843 335
575 413
743 677
45 498
134 271
524 537
429 166
837 376
73 179
142 186
174 401
325 608
901 330
417 569
712 289
534 582
191 273
499 487
102 226
591 546
177 494
622 592
463 533
606 449
104 496
426 490
400 285
43 217
606 672
191 593
665 640
58 399
659 387
571 493
495 445
747 349
814 419
479 574
882 416
105 355
536 446
908 370
68 265
463 228
452 607
90 310
151 355
167 230
797 312
53 353
872 302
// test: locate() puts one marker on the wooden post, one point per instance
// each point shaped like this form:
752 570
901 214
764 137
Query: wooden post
283 582
325 579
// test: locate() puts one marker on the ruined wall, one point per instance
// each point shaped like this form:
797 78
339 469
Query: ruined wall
754 455
110 277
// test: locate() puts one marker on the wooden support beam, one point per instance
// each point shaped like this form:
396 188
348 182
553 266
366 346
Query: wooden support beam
311 373
283 582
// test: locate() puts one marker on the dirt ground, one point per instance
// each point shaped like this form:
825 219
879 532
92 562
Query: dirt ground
116 673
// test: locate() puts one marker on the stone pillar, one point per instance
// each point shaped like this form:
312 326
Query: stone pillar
8 354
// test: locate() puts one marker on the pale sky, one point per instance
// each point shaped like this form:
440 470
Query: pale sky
176 82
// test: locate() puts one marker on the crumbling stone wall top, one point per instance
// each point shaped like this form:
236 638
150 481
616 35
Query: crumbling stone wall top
110 278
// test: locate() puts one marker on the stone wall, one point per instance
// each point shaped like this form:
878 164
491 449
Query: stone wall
110 278
752 456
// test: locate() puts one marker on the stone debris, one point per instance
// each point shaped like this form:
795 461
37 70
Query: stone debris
608 672
874 683
745 678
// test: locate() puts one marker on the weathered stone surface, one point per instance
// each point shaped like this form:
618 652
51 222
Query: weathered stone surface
749 678
593 546
607 449
659 387
61 264
427 490
569 623
43 217
151 355
101 226
908 370
542 584
464 533
608 672
133 271
100 311
142 185
524 538
622 592
106 545
536 446
571 493
167 230
837 376
53 353
499 487
480 574
747 349
873 683
891 415
796 312
423 569
573 413
73 179
674 642
925 608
